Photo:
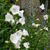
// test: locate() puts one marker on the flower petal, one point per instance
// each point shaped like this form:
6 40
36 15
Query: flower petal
22 20
25 33
42 7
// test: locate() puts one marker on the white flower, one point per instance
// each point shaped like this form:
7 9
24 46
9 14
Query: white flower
22 20
42 7
9 17
45 17
15 9
25 33
16 37
35 25
21 13
46 28
26 45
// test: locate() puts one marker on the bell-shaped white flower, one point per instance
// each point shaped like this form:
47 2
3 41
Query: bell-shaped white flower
9 17
15 9
26 45
42 7
21 13
45 28
14 38
45 17
22 20
25 32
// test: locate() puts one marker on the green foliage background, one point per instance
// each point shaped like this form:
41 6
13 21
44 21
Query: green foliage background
39 38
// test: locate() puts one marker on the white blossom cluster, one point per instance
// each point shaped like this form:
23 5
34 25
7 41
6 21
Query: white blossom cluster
15 9
35 25
44 16
43 7
16 37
